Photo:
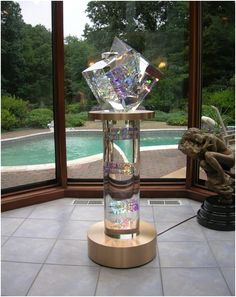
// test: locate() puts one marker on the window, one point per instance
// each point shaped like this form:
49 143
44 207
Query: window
167 38
159 31
218 70
28 153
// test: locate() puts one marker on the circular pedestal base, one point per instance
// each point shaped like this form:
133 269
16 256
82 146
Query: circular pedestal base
215 216
122 253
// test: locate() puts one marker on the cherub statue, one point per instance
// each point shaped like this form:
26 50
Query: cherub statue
215 158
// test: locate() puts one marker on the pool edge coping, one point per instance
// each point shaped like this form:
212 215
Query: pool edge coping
79 161
83 130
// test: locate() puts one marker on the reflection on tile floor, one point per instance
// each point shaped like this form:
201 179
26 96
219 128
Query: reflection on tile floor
44 252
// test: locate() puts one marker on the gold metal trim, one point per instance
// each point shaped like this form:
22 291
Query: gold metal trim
116 116
122 253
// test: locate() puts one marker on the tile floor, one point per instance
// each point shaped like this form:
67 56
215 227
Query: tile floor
44 252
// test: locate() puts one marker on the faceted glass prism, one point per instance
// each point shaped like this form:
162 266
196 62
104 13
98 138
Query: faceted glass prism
122 79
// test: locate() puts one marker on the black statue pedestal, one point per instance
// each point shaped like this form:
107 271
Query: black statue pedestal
216 216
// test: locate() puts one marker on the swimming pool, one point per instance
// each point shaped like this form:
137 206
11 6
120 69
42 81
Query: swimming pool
39 149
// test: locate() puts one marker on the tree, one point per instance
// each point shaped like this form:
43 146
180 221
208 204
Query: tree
218 49
158 30
26 57
218 58
78 55
11 47
37 52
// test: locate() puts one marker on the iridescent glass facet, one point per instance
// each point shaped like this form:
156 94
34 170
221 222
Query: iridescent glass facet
122 79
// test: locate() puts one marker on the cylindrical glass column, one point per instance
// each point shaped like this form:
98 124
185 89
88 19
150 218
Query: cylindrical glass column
121 177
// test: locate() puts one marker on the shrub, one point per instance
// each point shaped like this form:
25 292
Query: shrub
208 111
73 108
39 118
74 120
161 116
83 116
17 108
177 119
224 100
8 120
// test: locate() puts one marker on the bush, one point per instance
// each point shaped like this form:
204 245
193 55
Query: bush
83 116
8 120
177 119
224 100
208 111
17 109
161 116
73 108
74 120
39 118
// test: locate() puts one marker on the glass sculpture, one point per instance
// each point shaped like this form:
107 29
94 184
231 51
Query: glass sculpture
122 79
120 82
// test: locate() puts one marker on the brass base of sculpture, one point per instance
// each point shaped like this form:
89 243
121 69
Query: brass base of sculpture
122 253
216 216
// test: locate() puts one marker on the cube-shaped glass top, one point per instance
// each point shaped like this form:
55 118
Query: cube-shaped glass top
122 79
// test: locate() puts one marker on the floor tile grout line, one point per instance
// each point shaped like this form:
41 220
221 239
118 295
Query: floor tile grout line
222 274
57 238
50 250
175 241
46 219
212 252
160 271
53 264
154 220
99 272
40 269
162 286
5 241
33 208
215 266
194 268
100 266
52 206
51 238
23 217
65 222
219 267
18 227
49 219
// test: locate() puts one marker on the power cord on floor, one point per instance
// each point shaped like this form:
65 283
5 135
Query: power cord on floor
176 225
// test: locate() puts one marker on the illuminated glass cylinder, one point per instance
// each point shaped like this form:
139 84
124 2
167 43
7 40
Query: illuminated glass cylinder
121 177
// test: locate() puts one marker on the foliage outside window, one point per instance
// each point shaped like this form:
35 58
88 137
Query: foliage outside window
218 65
27 94
156 29
218 58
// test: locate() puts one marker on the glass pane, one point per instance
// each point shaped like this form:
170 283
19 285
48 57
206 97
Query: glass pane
159 31
28 154
218 71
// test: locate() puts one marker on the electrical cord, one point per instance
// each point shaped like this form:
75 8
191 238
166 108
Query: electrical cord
176 225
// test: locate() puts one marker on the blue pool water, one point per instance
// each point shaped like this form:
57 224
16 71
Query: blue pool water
40 149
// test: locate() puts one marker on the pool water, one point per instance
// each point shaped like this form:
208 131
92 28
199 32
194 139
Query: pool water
41 150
